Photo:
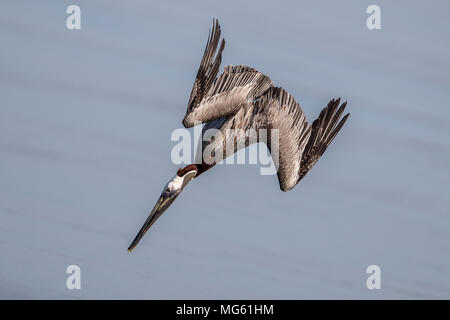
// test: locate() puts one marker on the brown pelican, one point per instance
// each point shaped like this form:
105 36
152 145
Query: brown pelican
244 98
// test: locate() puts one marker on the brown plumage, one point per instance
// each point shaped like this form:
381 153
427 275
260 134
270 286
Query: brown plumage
244 98
214 97
324 129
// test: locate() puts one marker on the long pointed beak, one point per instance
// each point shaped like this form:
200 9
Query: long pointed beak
163 203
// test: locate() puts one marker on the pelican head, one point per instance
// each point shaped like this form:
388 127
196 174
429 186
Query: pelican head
170 193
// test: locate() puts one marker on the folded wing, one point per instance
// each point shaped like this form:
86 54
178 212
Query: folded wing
323 130
214 97
278 110
295 146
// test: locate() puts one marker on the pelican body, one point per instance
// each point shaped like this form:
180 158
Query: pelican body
242 98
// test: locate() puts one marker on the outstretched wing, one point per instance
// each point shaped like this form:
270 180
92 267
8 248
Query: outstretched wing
214 97
324 129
